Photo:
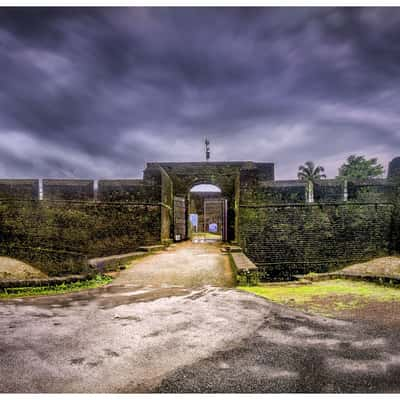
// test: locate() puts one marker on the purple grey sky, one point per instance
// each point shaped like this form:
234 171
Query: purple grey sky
99 92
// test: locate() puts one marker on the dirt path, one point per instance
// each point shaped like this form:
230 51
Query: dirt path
185 265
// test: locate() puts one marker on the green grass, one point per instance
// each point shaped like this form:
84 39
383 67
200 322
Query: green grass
326 297
99 280
205 235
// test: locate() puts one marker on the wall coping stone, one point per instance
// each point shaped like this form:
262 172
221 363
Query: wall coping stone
316 204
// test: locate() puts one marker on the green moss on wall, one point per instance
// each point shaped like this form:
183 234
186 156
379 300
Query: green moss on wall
58 236
287 240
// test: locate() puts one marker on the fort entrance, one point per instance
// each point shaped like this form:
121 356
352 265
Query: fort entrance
224 175
207 214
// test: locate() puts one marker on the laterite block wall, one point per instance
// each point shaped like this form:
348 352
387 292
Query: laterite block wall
58 237
287 240
58 234
284 235
20 188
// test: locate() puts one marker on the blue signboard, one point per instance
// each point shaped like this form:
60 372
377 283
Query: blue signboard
194 220
213 228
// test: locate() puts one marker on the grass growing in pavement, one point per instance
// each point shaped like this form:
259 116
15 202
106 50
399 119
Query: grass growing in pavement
99 280
326 297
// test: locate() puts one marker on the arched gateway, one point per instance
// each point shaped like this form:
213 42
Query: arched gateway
177 178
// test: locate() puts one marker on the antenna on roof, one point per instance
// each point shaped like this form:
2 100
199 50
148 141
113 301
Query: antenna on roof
207 143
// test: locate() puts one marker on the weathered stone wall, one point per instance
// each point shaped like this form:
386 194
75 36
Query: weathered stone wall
284 240
133 190
394 169
68 189
278 230
59 233
167 206
329 190
273 192
27 189
58 237
284 234
180 218
396 222
372 190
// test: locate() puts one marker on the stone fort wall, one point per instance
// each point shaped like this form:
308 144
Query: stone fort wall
72 222
59 229
348 222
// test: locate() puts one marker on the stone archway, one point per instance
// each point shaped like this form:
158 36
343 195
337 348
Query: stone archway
182 176
224 175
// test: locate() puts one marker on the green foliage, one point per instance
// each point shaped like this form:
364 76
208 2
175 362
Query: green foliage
358 167
248 278
97 281
310 172
326 297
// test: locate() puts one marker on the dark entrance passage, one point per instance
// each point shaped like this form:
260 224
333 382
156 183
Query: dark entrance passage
207 214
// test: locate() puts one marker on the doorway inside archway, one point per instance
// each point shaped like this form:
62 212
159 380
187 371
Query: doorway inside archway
207 214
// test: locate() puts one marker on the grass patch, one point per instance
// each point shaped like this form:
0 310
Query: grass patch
99 280
327 297
205 235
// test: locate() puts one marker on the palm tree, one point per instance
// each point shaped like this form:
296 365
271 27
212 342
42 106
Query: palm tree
310 172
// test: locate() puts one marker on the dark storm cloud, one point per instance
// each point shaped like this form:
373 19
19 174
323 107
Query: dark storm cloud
98 92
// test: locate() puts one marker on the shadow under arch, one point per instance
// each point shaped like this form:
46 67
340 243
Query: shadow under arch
206 214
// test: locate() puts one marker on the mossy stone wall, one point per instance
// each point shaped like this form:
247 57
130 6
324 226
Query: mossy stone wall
27 189
59 236
287 240
68 189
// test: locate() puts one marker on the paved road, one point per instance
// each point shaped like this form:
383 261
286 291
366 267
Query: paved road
182 333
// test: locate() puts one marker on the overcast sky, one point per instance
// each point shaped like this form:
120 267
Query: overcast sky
99 92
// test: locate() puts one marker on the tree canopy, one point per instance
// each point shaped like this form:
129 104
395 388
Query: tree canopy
310 172
358 167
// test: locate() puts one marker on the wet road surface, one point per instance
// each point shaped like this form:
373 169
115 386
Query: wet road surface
164 325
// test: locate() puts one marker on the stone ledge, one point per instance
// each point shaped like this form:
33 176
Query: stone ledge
393 279
231 249
117 260
242 263
11 283
246 271
151 249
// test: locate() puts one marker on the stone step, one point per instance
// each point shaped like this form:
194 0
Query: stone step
246 270
151 249
231 249
243 263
